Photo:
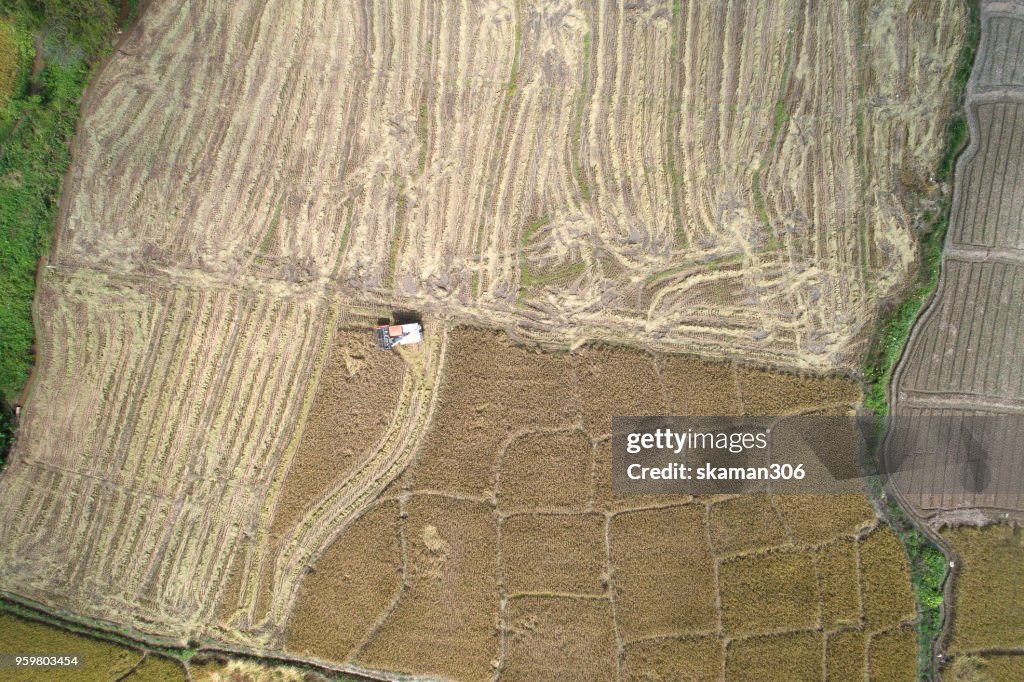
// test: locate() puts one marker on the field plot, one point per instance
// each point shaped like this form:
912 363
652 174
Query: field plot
988 609
100 660
620 587
671 175
964 356
152 434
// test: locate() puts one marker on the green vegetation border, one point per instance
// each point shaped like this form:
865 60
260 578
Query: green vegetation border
57 45
927 556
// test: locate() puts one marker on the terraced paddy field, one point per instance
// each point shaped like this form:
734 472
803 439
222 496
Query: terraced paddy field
964 356
99 660
988 626
502 545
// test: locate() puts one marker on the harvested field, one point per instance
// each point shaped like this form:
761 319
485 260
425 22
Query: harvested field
228 670
964 356
790 656
559 638
354 581
457 154
1000 65
157 418
554 553
700 658
988 606
772 592
702 178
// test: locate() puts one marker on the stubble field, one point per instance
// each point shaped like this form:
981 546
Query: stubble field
736 179
964 358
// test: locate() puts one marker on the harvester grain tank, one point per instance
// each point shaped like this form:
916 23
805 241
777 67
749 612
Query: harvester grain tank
390 335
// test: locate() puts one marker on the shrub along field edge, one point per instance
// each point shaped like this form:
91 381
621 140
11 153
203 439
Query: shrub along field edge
928 561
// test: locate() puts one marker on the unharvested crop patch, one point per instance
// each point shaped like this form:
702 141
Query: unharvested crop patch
776 591
731 528
659 585
444 621
674 658
494 390
99 660
554 553
885 581
839 580
887 654
354 581
988 607
549 471
790 656
356 398
663 572
845 655
559 638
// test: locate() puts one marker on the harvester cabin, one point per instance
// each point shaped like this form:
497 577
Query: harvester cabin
390 335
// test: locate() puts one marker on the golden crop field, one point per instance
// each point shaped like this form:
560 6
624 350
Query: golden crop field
988 608
99 660
458 574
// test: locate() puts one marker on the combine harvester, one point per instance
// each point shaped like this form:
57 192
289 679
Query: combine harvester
390 335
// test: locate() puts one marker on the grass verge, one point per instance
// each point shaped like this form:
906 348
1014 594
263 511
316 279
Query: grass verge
49 49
